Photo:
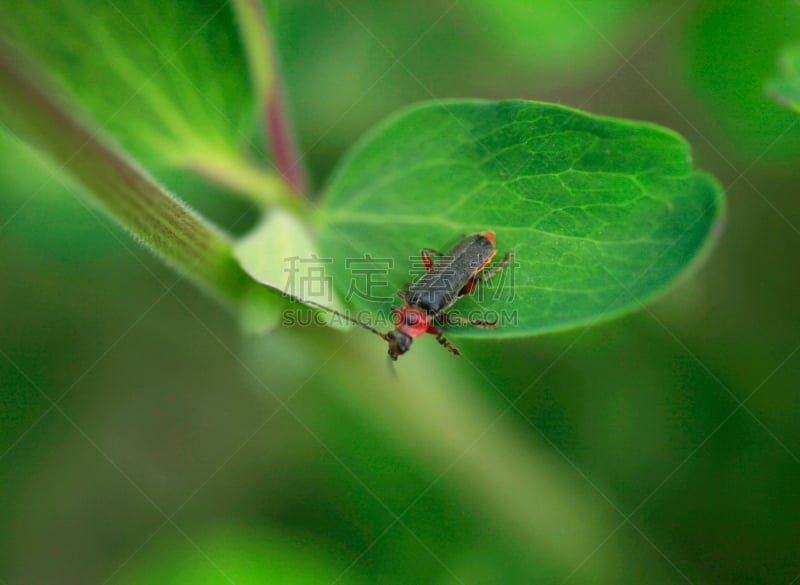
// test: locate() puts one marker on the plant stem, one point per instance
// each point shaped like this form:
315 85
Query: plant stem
133 198
269 91
437 416
264 188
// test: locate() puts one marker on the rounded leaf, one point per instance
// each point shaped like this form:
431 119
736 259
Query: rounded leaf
600 213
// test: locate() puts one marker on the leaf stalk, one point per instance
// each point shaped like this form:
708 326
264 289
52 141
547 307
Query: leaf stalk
127 193
269 91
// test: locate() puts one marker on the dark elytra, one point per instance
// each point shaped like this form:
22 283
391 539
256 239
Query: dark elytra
440 286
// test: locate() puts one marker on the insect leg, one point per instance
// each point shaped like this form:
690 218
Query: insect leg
486 275
442 341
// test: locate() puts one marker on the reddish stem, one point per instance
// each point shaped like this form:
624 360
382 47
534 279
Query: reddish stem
284 148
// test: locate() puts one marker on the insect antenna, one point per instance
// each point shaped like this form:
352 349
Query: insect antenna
335 312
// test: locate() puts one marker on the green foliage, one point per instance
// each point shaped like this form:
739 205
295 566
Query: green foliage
181 237
785 88
397 54
142 69
730 50
556 34
269 254
27 174
600 213
244 557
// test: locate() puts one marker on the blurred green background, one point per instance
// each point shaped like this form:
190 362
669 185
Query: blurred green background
142 437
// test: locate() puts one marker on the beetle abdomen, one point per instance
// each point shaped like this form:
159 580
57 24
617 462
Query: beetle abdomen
439 287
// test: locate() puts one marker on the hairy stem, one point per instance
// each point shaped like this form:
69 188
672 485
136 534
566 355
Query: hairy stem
154 216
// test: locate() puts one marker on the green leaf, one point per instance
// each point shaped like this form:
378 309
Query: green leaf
166 78
600 213
785 88
281 253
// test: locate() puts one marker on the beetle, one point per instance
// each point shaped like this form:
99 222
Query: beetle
426 301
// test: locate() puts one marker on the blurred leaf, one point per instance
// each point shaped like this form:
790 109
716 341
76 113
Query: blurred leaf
730 51
600 213
167 78
259 313
556 34
281 253
376 56
785 88
39 209
242 557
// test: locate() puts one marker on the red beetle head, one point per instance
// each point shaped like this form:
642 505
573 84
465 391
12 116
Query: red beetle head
409 322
